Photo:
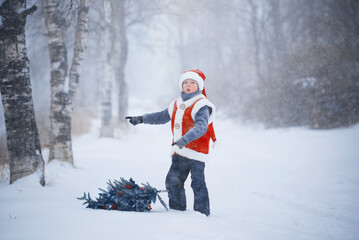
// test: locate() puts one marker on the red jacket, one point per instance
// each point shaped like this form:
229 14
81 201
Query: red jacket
182 120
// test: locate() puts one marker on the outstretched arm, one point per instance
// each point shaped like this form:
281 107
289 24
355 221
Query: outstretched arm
157 117
151 118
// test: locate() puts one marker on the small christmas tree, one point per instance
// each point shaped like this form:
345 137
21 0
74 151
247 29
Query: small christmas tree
124 196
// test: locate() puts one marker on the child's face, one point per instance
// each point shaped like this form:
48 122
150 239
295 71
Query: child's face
190 86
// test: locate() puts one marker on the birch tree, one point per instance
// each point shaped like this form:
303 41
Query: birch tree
106 80
118 19
127 14
119 55
23 141
254 21
63 94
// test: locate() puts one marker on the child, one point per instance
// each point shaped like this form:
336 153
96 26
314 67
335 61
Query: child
191 117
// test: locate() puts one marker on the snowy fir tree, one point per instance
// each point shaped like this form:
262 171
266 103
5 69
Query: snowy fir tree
124 195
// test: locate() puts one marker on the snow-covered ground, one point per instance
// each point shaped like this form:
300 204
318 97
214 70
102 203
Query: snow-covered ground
264 184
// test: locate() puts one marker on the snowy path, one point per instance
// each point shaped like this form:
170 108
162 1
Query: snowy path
263 184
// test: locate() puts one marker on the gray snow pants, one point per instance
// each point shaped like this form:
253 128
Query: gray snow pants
175 179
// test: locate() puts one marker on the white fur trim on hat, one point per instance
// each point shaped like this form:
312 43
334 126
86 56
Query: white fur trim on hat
193 76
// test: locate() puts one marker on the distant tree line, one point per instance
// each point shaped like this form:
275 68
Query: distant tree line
282 63
277 62
312 74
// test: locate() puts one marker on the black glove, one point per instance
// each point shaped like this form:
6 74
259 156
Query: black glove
180 143
135 120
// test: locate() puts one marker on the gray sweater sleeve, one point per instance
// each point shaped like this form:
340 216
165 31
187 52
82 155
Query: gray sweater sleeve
157 117
200 125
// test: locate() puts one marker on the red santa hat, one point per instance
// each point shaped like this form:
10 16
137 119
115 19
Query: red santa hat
196 75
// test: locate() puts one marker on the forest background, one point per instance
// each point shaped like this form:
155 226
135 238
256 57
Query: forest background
276 63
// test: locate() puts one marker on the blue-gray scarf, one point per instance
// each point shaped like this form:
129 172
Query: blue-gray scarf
186 96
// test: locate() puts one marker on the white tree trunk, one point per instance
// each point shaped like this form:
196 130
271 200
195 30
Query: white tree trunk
79 51
256 37
106 80
23 140
119 56
60 137
61 100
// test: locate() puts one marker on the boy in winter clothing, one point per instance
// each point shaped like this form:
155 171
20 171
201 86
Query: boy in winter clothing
191 117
